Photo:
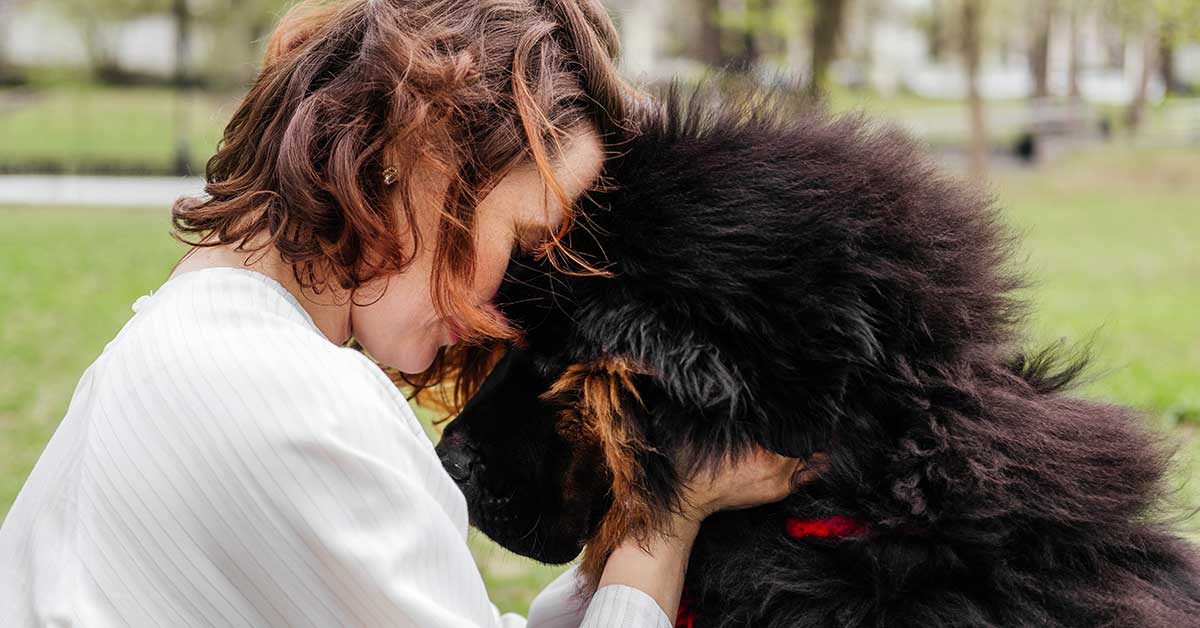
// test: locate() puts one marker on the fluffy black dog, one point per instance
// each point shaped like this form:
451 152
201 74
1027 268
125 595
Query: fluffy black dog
813 284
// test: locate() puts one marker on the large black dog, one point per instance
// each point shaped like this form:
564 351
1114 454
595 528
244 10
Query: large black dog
813 284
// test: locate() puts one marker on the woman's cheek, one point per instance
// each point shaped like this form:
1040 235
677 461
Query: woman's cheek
410 352
491 272
393 333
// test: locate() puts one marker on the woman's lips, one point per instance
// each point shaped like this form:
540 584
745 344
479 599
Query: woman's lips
453 332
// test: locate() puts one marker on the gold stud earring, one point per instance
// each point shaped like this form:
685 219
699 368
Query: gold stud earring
390 175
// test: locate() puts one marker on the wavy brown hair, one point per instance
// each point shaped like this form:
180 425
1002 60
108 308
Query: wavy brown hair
471 87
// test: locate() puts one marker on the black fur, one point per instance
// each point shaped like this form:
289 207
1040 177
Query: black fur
814 284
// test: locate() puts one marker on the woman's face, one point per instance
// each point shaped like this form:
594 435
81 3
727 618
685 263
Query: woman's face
401 329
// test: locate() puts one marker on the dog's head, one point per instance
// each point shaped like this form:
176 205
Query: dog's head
770 271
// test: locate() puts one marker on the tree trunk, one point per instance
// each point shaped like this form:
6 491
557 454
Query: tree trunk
100 57
971 51
745 45
767 40
746 56
182 18
1166 60
936 30
1039 53
1074 93
870 16
1137 106
5 71
709 40
826 35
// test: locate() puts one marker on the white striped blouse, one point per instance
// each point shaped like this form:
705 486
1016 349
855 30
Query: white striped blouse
223 464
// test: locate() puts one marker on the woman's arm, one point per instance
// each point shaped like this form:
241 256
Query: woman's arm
659 567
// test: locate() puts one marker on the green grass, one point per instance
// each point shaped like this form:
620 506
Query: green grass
1110 239
85 128
67 279
76 126
1112 246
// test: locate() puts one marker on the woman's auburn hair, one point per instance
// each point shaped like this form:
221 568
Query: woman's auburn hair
471 87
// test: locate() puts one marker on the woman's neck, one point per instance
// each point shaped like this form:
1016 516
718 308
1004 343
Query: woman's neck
330 310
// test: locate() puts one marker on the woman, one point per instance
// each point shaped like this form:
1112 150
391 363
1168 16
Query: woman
228 460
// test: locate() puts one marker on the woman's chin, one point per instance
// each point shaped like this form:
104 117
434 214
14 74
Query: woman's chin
409 360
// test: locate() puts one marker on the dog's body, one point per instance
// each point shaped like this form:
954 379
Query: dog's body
813 285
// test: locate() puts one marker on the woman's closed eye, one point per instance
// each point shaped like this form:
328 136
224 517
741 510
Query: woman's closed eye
529 239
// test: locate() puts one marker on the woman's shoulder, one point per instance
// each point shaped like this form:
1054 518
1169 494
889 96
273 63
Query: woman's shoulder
238 344
219 411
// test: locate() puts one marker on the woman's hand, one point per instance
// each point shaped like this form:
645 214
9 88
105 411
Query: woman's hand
762 477
658 566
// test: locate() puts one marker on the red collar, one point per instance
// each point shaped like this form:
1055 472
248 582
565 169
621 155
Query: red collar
835 527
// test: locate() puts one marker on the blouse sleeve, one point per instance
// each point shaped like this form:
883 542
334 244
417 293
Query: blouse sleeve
560 606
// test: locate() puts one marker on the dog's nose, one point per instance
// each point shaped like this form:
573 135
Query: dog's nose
458 463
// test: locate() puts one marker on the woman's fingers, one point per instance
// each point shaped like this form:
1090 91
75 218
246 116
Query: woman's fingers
810 469
761 477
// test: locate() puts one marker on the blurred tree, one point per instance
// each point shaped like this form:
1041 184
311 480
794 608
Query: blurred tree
238 29
870 15
6 71
935 28
710 33
181 15
97 18
1179 22
1074 17
1156 26
235 30
970 35
828 17
746 32
743 23
1149 44
1139 20
752 30
1166 59
1042 13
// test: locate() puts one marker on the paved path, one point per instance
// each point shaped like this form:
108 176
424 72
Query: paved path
148 192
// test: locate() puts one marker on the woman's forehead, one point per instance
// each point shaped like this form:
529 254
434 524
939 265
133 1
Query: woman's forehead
576 167
581 162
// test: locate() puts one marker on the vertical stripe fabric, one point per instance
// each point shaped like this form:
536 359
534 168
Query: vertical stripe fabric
223 464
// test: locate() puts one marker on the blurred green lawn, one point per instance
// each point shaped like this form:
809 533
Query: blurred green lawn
75 126
86 127
1111 240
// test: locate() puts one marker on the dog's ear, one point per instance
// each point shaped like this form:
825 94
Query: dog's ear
601 403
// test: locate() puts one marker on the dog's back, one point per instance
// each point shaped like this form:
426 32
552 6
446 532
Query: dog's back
813 284
988 494
1016 507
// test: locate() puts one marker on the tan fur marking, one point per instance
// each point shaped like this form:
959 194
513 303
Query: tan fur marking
597 397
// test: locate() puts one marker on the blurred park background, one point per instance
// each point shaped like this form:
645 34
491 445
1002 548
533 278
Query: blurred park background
1081 116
